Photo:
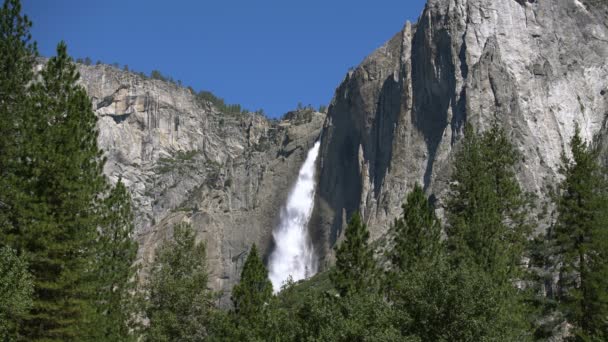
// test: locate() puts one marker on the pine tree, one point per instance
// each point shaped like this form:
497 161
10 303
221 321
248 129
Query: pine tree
416 233
488 223
17 57
254 290
455 303
582 240
15 293
355 266
487 211
179 302
56 214
115 273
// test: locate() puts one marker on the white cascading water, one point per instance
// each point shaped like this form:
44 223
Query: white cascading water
293 255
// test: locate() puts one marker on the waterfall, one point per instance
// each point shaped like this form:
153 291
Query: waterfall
293 255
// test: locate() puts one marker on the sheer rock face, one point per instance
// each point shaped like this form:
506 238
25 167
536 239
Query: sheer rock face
538 67
183 160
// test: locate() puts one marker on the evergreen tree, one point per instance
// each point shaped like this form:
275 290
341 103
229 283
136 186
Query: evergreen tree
15 293
56 215
364 316
254 290
355 266
416 233
488 223
487 211
582 241
179 302
17 57
455 303
115 255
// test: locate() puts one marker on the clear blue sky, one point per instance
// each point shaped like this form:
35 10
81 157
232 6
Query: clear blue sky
268 54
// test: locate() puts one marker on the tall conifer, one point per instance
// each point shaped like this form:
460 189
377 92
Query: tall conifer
416 233
115 252
582 241
487 212
254 290
17 57
355 265
488 224
178 300
57 213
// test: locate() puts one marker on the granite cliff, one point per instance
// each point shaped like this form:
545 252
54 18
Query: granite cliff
537 67
184 160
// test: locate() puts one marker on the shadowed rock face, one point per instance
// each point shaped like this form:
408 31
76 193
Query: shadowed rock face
538 67
183 160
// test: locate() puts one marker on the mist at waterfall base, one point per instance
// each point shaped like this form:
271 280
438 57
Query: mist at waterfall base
294 255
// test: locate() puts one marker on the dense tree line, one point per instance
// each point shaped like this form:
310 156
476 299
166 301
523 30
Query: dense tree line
466 280
67 255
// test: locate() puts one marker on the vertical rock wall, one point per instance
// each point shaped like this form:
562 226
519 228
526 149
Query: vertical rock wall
537 67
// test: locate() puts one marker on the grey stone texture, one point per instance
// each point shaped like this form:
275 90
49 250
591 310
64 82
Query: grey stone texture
537 67
184 161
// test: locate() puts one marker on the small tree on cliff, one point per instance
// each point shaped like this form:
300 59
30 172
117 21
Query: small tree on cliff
179 304
582 241
355 266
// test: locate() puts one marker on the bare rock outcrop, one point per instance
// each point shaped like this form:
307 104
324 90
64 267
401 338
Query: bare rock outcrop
537 67
185 161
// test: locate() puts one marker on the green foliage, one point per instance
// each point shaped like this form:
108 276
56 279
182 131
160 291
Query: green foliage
66 252
115 253
254 290
581 237
488 221
181 161
487 210
222 106
436 299
364 316
178 301
447 303
355 266
257 315
17 55
157 75
55 217
52 186
16 290
416 233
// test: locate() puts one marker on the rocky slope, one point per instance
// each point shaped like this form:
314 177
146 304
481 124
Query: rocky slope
538 67
184 160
